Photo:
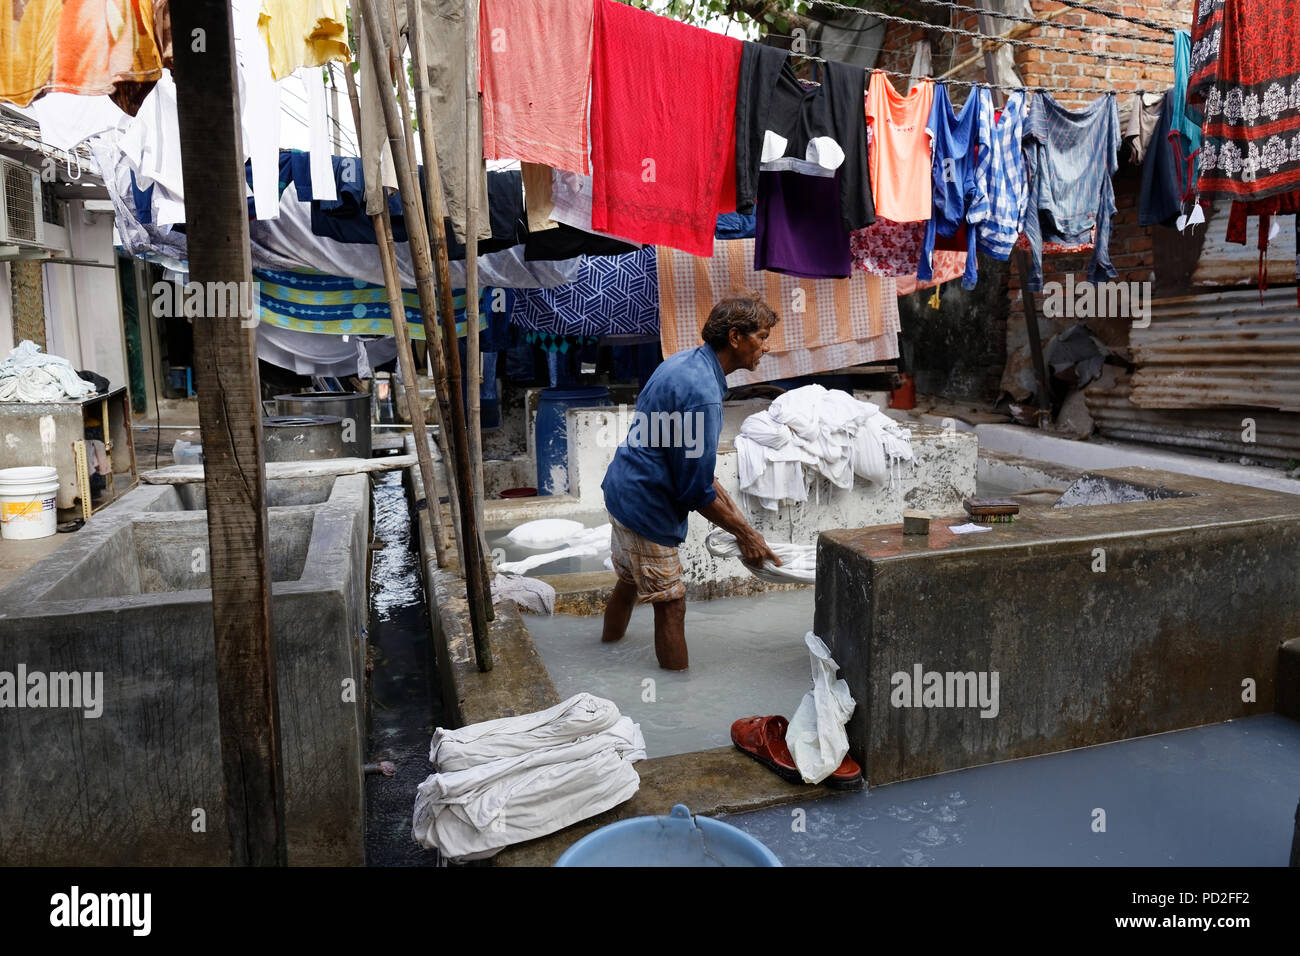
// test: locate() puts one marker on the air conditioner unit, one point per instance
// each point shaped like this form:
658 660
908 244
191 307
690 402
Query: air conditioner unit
21 220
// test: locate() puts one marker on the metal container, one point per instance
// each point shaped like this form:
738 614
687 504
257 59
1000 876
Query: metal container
303 437
353 408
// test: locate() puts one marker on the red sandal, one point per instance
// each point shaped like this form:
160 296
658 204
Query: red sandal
763 739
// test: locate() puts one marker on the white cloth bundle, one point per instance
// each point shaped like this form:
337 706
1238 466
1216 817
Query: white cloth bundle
583 543
816 735
828 430
517 778
529 594
798 561
28 375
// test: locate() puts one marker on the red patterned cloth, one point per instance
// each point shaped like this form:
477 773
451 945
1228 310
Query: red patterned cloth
1245 90
663 128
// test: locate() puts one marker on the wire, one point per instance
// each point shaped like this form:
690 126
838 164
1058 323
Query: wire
1027 44
1082 28
1076 4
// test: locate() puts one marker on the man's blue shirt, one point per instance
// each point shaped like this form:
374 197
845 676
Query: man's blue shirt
663 470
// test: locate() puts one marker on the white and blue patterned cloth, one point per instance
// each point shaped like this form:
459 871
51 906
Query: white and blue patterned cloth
613 295
1070 157
1003 168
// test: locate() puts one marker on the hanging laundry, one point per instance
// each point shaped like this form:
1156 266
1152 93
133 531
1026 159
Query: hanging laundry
1281 204
1143 118
312 301
1002 167
900 152
571 202
504 212
1183 125
565 243
1161 198
843 322
304 33
327 356
760 65
558 342
88 47
537 196
888 248
1070 157
959 195
613 295
735 225
663 128
797 229
534 70
1245 75
821 131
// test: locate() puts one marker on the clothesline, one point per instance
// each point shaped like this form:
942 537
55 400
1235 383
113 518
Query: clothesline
951 82
1076 4
1001 38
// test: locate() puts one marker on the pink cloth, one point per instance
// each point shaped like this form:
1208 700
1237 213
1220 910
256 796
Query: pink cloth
534 66
888 248
663 128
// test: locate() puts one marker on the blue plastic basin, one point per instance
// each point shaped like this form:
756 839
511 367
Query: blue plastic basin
675 840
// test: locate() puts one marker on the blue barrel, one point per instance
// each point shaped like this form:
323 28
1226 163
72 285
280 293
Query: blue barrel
675 840
552 433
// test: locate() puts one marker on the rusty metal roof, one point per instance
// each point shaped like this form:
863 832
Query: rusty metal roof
1224 263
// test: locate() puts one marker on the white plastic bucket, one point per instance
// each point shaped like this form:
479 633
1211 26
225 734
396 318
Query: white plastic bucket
27 497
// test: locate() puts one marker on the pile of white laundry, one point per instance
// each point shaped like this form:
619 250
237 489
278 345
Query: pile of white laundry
28 375
825 430
504 781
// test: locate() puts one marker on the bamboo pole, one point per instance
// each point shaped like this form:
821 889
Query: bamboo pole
451 403
473 170
433 199
396 308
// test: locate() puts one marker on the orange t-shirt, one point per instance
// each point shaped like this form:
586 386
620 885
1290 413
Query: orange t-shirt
899 161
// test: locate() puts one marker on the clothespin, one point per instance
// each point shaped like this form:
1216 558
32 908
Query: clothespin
934 299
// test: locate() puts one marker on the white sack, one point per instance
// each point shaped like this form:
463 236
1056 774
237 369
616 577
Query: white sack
545 532
816 736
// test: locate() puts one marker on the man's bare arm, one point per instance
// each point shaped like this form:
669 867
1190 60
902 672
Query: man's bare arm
724 512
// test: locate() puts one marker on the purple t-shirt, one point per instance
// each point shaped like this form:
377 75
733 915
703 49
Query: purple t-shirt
797 230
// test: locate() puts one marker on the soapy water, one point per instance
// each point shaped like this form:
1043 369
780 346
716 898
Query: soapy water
1218 795
747 658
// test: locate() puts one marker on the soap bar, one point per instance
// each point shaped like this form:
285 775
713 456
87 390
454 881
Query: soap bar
916 522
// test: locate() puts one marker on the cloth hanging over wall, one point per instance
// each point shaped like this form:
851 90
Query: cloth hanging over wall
315 302
1003 169
959 194
79 46
1182 123
304 33
1245 90
1070 157
1143 117
613 295
843 322
900 153
663 128
534 72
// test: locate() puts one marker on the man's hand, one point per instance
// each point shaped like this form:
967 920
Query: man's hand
754 550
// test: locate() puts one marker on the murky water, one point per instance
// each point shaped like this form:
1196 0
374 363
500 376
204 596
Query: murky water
502 550
1221 795
747 658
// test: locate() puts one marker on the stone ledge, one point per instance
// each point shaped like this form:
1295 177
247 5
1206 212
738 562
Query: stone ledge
708 782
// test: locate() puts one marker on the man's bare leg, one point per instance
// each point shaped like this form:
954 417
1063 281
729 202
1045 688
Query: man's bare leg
618 611
670 634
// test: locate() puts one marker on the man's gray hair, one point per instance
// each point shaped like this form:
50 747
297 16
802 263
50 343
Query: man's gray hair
745 312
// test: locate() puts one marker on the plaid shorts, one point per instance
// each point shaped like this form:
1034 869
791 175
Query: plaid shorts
654 569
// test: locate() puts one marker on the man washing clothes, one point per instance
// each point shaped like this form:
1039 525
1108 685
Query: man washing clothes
663 471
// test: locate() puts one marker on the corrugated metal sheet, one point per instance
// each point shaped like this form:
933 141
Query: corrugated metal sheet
1219 431
1220 349
1224 263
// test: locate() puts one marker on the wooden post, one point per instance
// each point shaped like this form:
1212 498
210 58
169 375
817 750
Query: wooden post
1028 303
453 416
433 206
393 286
230 416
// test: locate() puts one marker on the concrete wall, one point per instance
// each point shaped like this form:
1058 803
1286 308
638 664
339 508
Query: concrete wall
1194 597
122 788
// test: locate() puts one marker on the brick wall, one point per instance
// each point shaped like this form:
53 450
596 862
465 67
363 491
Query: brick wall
1069 64
28 302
